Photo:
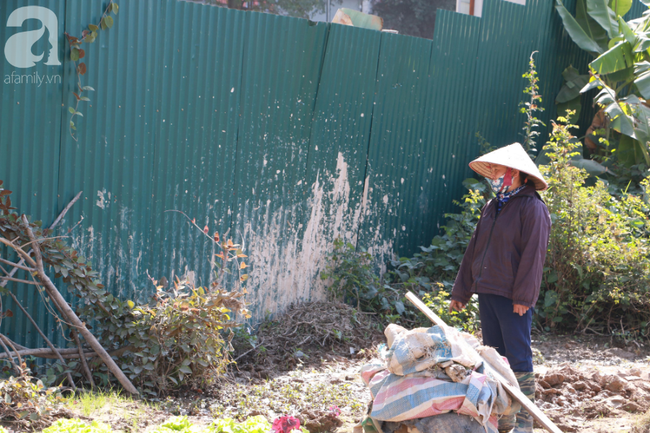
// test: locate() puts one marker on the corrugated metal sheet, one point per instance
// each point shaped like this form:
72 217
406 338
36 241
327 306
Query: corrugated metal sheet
397 171
30 116
281 67
277 132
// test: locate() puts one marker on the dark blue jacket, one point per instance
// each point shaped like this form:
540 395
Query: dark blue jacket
507 251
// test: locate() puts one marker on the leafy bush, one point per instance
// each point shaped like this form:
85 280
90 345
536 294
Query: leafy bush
177 340
27 401
432 272
598 264
352 278
77 426
178 424
255 424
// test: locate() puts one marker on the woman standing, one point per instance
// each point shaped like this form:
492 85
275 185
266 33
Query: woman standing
503 264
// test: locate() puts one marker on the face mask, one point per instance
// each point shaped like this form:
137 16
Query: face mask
502 183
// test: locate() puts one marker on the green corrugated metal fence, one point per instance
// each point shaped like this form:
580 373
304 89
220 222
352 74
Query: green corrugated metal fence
278 132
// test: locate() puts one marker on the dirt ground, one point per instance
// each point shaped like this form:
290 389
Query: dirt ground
307 363
593 384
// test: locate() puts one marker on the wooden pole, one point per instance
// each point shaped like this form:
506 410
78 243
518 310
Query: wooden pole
70 315
489 369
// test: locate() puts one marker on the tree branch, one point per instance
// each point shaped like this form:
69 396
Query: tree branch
72 317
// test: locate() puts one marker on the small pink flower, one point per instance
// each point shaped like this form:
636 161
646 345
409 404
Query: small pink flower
335 410
285 424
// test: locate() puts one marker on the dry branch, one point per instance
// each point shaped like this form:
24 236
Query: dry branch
72 353
70 315
18 280
16 265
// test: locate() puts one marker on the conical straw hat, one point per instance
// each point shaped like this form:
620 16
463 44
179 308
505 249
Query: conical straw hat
513 156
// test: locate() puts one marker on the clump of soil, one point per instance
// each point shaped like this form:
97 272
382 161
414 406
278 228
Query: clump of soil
309 334
566 393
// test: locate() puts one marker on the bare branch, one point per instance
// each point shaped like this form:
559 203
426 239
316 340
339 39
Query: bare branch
70 315
17 265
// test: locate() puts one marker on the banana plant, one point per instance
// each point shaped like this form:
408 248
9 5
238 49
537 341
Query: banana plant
620 71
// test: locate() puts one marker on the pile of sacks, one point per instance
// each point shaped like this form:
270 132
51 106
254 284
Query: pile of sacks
427 372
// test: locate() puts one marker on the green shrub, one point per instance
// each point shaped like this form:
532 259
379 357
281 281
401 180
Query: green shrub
255 424
432 272
598 263
77 426
177 340
352 278
178 424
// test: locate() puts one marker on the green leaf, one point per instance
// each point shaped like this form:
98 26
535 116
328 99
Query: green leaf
573 83
93 27
74 54
116 8
626 74
614 59
71 110
627 31
619 120
642 44
626 151
590 26
642 83
613 42
185 369
88 89
592 167
551 296
620 7
102 24
600 11
576 32
109 22
85 99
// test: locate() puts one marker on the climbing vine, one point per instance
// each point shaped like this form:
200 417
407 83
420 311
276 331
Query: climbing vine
77 53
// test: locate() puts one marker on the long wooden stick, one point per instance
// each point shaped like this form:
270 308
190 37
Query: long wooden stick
72 318
514 392
72 353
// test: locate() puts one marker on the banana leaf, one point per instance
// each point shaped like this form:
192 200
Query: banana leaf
619 120
590 26
642 83
620 7
572 85
600 11
576 32
627 32
615 59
